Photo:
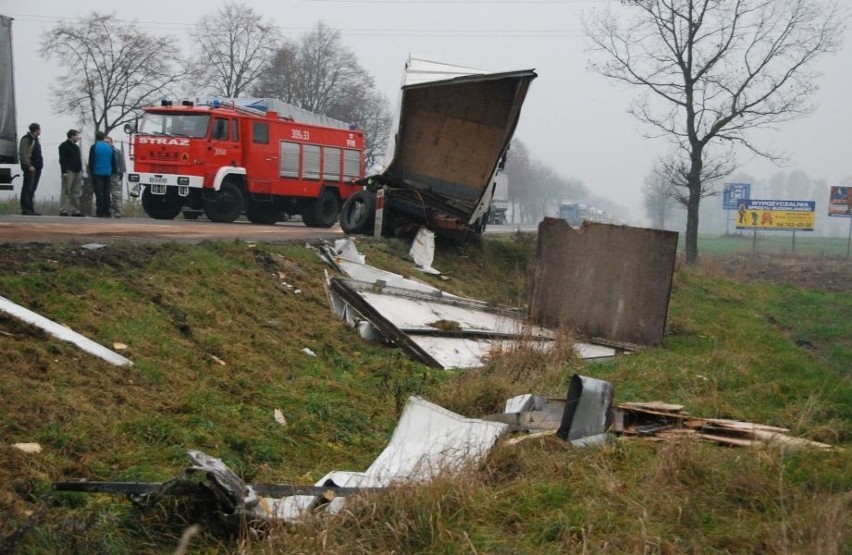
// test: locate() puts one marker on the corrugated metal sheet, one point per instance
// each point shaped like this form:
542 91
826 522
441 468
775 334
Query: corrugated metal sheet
289 159
310 162
331 163
351 164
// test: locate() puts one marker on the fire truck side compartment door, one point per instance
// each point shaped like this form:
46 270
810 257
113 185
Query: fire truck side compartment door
261 158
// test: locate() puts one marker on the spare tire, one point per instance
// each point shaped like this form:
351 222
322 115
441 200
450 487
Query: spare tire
358 213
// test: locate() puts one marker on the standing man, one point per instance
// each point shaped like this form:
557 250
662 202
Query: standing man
100 172
32 162
117 180
71 164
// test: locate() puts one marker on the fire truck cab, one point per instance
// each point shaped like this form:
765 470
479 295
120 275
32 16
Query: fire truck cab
227 160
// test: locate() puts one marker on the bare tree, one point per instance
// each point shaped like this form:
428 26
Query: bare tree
233 47
675 170
535 188
373 116
111 69
280 77
716 69
657 196
328 72
322 75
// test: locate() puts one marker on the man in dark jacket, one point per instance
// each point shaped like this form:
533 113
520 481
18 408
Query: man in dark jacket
71 164
29 152
100 172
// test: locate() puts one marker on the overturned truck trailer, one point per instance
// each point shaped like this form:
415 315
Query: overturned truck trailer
454 127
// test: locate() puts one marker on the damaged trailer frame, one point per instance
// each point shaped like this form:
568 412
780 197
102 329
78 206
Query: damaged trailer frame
451 136
435 327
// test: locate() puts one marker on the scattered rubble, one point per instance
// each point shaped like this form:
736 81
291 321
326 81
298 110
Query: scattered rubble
430 440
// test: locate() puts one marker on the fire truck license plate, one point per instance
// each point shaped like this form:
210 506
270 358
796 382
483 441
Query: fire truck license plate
158 179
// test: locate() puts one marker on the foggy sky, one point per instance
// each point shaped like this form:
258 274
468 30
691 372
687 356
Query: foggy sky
573 120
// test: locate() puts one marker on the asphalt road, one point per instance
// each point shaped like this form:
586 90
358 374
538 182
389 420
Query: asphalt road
51 229
15 228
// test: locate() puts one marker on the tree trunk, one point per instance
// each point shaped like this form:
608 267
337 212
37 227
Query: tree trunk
692 216
693 181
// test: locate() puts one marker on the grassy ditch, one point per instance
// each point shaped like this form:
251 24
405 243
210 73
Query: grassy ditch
216 332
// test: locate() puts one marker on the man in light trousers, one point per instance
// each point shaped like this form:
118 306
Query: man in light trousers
117 180
71 165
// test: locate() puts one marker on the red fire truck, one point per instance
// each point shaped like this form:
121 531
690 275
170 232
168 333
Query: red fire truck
227 159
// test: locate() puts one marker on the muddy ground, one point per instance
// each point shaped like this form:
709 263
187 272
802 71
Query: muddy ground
822 273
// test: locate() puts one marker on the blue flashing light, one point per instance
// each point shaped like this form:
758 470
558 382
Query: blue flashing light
216 103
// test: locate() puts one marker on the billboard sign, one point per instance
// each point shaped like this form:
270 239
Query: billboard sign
840 202
734 193
783 215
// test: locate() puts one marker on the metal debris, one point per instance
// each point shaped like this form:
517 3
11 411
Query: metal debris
435 327
428 440
61 332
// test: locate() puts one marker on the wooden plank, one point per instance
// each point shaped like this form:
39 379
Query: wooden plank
517 440
746 426
657 406
728 440
789 441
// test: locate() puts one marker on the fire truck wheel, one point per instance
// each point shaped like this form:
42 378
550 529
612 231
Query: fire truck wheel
227 205
161 207
263 213
322 211
358 213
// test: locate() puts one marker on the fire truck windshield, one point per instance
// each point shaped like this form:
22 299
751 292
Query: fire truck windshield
175 125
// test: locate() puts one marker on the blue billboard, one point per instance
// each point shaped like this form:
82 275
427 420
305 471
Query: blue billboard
734 194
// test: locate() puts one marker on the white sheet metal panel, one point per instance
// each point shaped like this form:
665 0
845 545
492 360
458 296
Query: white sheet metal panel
408 313
466 352
428 440
370 274
421 70
63 333
413 315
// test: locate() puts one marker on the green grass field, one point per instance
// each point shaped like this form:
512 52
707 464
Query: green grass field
217 343
806 244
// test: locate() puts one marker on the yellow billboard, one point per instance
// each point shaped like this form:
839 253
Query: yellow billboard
784 215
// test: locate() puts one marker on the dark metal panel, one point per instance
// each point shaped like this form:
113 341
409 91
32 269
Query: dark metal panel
588 409
604 281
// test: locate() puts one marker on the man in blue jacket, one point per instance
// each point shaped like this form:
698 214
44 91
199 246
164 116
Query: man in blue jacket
100 172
